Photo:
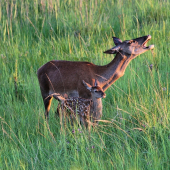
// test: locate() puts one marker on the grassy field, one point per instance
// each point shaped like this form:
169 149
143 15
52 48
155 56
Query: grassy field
134 132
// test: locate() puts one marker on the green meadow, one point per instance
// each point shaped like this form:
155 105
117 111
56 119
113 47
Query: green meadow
134 132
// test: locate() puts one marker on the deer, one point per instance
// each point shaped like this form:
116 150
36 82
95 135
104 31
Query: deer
86 109
66 77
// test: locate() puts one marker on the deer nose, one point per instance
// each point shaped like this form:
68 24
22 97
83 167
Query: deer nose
149 37
104 95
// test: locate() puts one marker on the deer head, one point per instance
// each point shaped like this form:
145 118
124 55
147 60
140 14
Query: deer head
132 47
96 91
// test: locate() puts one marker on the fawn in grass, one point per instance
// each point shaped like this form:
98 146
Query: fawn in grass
85 109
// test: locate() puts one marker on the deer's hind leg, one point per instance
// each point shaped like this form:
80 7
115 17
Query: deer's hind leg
47 104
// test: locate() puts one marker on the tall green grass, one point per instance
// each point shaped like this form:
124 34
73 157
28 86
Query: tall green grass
134 131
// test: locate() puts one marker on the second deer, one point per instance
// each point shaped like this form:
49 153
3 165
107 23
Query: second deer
85 109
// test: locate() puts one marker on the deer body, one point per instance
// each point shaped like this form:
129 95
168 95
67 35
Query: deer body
65 77
75 107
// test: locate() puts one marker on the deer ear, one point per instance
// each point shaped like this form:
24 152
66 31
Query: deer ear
117 41
88 86
95 83
113 50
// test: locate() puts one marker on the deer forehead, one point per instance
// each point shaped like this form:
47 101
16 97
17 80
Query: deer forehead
96 88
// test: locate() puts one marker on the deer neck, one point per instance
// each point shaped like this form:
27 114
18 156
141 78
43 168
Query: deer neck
113 71
97 108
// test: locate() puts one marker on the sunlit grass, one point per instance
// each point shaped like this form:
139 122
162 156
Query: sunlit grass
134 131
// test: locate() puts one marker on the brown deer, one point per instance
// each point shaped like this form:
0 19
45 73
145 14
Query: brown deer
86 109
65 77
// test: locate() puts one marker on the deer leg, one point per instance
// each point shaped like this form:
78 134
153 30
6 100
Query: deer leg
47 104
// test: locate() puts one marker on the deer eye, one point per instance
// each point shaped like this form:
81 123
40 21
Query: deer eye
130 42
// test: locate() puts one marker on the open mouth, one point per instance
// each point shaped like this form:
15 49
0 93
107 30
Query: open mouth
145 43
